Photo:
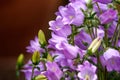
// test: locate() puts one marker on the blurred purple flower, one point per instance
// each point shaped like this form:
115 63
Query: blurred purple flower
55 42
53 71
65 31
83 40
34 46
70 51
70 15
87 71
108 16
56 24
111 60
62 60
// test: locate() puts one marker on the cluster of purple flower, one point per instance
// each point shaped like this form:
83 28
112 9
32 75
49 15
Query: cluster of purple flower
85 43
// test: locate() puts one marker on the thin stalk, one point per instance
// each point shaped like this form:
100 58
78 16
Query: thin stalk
113 37
116 40
102 76
98 62
46 52
106 37
105 73
32 72
95 32
72 35
90 33
99 8
44 66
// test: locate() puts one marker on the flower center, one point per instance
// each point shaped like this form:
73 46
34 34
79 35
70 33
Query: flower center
87 77
71 17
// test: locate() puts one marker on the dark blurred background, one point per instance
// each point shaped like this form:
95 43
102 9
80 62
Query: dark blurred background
20 21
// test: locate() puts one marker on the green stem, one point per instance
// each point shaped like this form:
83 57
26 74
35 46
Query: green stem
99 8
98 62
32 72
90 33
100 13
72 35
95 32
105 74
46 52
106 37
117 36
113 37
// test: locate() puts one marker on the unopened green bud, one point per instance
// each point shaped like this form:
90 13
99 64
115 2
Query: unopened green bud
49 58
20 60
89 3
118 1
41 37
95 45
36 58
40 77
19 64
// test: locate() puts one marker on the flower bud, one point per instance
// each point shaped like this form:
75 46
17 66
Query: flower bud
41 38
88 1
118 1
95 45
36 58
49 58
40 77
19 64
89 4
20 60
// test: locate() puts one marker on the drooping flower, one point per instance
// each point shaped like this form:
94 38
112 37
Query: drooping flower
70 15
108 16
61 60
83 40
56 24
53 71
34 46
70 51
87 71
65 31
55 41
111 60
